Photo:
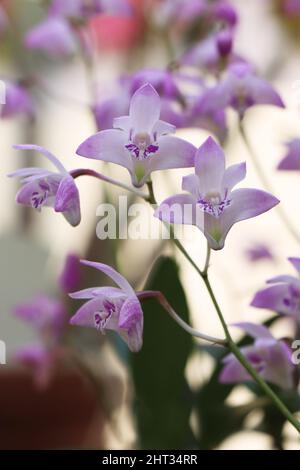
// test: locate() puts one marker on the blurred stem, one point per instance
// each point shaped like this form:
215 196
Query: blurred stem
107 179
144 295
265 182
229 341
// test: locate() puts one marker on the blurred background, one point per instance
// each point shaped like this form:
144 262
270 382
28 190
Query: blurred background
166 396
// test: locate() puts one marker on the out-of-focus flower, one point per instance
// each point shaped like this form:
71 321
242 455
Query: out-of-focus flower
139 142
83 8
205 14
40 361
213 53
71 275
111 308
43 188
212 204
54 35
292 159
283 296
270 357
240 89
17 100
258 252
291 7
47 315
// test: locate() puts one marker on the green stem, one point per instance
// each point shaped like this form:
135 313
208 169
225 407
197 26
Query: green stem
230 343
265 182
237 353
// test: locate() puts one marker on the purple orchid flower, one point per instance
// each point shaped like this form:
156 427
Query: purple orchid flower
111 308
212 204
45 314
17 100
54 35
291 161
86 9
240 89
40 361
209 54
71 275
179 97
270 357
283 296
47 188
139 142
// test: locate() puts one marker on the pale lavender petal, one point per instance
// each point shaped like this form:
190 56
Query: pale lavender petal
172 153
191 184
93 292
292 160
210 166
113 274
296 263
254 330
67 201
262 92
144 109
109 146
130 313
233 175
245 204
163 128
233 371
18 100
85 316
284 278
276 298
279 368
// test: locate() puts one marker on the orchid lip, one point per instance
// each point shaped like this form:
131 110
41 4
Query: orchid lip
101 317
213 204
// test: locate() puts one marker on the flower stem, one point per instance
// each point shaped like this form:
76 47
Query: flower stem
237 353
165 304
285 219
107 179
229 341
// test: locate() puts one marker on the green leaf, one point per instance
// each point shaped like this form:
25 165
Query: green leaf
163 398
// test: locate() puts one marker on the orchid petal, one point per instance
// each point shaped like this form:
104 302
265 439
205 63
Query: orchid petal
44 152
210 165
67 200
296 263
144 109
93 292
173 153
274 298
233 175
109 146
178 209
113 274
